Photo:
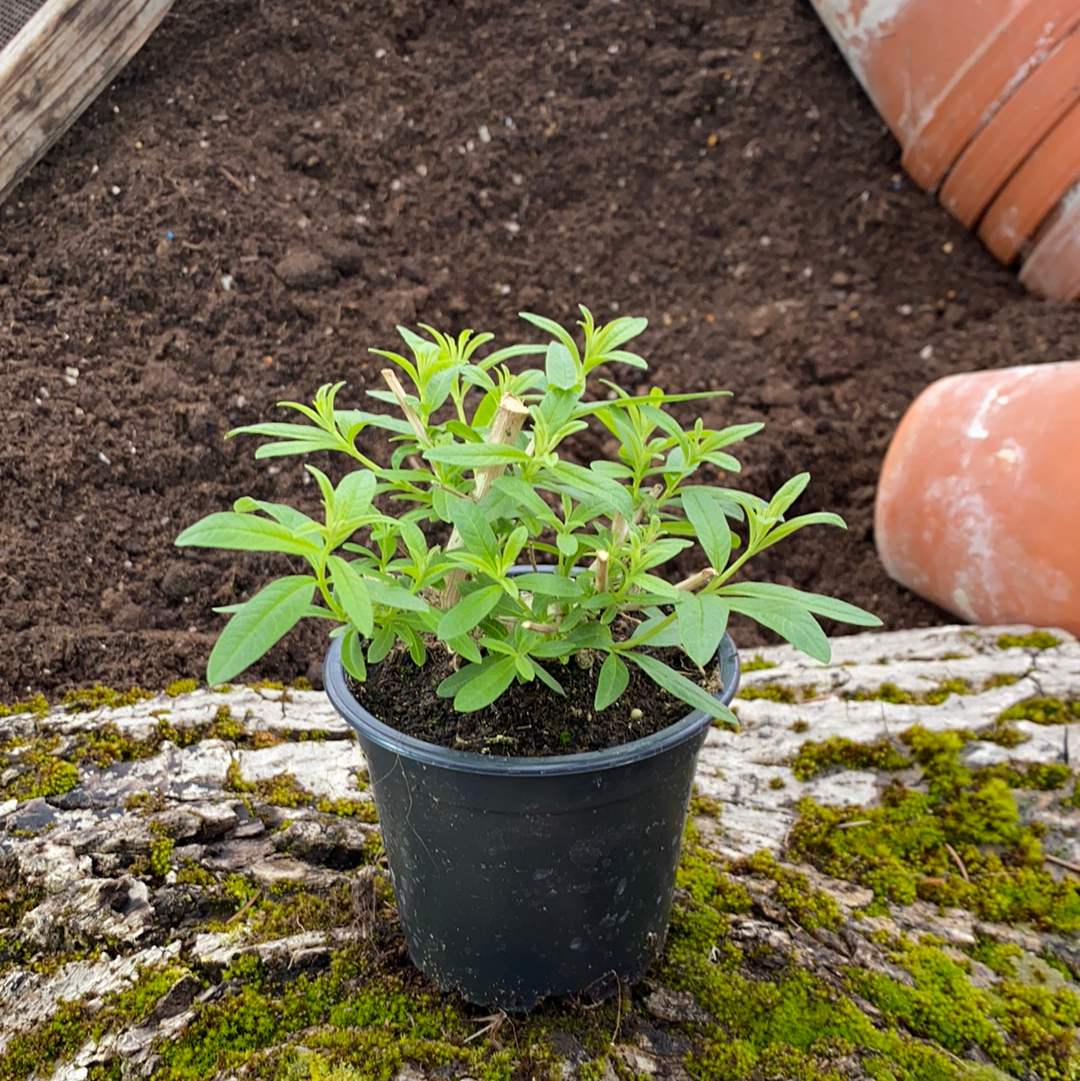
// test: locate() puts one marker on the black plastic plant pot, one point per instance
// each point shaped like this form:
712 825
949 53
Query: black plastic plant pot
518 879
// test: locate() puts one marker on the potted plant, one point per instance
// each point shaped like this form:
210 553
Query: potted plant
530 687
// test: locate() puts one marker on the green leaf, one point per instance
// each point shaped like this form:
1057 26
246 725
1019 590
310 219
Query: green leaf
661 639
619 332
525 497
789 619
476 533
262 622
559 367
614 676
468 612
415 542
793 525
567 544
584 483
559 333
392 595
466 647
476 455
684 689
350 589
246 533
354 494
549 585
546 677
293 520
484 684
381 644
690 614
787 494
352 655
829 607
711 526
512 548
623 356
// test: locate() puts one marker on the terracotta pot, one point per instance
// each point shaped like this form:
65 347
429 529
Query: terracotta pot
1001 146
976 506
1051 169
938 71
1053 267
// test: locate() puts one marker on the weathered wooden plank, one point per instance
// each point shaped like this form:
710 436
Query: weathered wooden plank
61 59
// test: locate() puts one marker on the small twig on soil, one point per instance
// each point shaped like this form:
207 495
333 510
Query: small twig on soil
234 180
1059 862
852 825
959 862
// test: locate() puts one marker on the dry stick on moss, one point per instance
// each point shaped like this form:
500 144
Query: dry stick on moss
251 900
509 418
1059 862
959 862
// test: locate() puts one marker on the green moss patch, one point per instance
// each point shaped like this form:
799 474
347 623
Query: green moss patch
1042 711
815 757
1034 640
959 842
757 664
283 790
778 692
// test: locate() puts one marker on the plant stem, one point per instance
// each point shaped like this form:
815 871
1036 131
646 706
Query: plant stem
415 422
702 578
602 560
509 418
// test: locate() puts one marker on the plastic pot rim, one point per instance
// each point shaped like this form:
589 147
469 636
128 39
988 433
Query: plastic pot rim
390 739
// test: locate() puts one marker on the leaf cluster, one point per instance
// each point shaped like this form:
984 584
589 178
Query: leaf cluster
479 536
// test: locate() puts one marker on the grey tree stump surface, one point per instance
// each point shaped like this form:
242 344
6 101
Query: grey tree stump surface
120 873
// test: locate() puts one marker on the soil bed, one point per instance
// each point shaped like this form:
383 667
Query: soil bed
269 188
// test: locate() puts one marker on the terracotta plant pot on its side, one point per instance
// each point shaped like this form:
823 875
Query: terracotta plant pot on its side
976 506
1000 148
1050 170
1053 267
937 72
984 98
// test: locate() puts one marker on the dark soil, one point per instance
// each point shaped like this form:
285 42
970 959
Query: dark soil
269 188
528 719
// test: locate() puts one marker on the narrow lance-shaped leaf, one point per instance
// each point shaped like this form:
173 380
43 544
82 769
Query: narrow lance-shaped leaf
684 689
485 683
259 624
353 494
474 529
829 607
559 367
787 494
468 612
789 619
352 655
614 676
711 526
244 532
693 634
350 589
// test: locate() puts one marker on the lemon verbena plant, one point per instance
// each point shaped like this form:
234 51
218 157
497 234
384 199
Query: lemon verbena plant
428 550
